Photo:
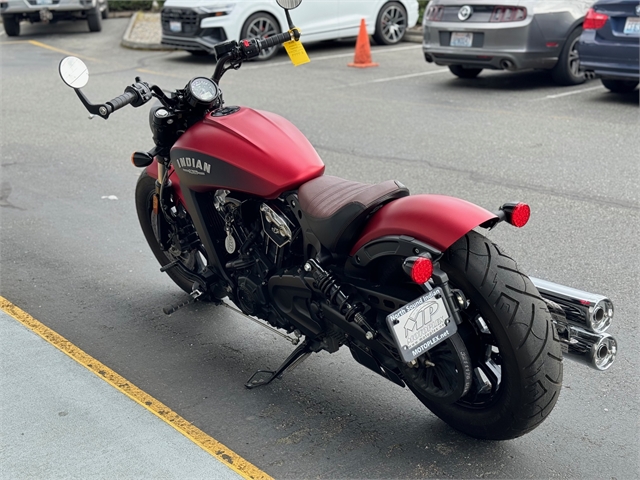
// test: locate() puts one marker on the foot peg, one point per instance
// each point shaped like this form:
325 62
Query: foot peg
194 295
264 377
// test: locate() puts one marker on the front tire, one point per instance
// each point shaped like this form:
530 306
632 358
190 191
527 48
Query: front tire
94 19
514 350
619 86
391 24
261 25
462 72
11 25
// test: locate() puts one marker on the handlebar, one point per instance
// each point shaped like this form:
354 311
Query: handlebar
125 99
274 40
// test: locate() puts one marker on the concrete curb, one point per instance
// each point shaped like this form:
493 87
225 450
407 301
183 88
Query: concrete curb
413 35
129 41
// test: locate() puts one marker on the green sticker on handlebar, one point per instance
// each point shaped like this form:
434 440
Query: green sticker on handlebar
296 52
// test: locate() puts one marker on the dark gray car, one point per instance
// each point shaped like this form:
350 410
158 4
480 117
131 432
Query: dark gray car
505 35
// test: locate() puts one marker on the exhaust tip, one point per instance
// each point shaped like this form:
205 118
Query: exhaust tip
507 65
603 353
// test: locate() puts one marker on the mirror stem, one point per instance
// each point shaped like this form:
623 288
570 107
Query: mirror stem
296 33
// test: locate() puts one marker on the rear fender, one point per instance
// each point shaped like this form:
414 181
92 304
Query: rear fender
435 220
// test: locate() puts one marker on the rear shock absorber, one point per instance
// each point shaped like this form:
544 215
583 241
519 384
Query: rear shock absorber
332 290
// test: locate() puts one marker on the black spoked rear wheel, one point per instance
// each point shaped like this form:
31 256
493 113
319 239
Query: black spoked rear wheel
515 354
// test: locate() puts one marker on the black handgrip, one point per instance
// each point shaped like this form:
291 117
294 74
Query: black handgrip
125 99
274 40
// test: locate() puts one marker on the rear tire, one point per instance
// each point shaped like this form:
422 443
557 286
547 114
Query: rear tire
94 20
261 25
514 345
11 25
619 86
462 72
391 24
567 70
105 13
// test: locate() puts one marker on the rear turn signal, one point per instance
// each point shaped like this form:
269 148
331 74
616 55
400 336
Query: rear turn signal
419 269
517 214
594 20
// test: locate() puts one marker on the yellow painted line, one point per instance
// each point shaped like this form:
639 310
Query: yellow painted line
49 47
193 433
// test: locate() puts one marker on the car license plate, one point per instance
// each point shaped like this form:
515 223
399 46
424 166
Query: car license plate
461 39
421 324
44 2
632 26
175 26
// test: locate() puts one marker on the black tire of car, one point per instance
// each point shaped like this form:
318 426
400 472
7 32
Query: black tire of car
531 368
247 33
94 19
462 72
145 188
105 13
567 71
619 86
400 15
11 25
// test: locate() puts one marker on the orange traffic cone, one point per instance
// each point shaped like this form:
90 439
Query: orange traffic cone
362 58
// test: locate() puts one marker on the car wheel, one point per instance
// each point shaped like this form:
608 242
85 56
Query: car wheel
619 86
462 72
261 25
94 19
11 25
105 12
567 70
391 24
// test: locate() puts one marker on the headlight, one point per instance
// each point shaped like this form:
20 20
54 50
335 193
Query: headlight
217 10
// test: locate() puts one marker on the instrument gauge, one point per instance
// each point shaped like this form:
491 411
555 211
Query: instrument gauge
203 90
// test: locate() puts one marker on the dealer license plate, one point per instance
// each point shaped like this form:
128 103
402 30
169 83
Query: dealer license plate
461 39
632 26
421 324
175 26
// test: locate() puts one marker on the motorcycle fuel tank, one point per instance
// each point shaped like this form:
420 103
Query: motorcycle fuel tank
251 151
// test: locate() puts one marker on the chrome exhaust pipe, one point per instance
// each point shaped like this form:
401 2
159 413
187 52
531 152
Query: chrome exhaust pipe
596 350
589 311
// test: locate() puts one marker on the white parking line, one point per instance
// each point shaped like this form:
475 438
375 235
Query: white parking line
399 77
574 92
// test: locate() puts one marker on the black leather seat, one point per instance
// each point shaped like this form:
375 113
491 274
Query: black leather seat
337 209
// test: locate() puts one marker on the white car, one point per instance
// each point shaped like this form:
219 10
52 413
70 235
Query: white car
198 25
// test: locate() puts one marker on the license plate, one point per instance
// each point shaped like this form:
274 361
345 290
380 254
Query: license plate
421 325
461 39
44 2
175 26
632 26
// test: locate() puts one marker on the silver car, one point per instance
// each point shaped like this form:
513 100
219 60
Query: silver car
512 35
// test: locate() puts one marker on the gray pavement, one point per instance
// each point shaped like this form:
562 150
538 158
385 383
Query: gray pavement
59 420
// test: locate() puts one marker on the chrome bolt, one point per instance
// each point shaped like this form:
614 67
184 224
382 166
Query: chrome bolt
307 267
103 110
368 336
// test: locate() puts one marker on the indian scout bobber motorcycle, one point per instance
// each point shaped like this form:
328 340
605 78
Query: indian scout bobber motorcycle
234 205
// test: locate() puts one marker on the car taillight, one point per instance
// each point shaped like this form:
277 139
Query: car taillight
508 14
594 20
419 269
434 13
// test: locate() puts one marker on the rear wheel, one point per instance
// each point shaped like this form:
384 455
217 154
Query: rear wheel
11 25
619 86
261 25
515 355
391 24
105 12
462 72
192 258
567 70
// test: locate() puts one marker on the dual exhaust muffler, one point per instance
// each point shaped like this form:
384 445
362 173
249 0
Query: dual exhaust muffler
581 319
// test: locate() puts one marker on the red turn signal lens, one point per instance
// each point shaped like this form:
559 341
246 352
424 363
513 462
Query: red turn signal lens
594 20
419 269
520 215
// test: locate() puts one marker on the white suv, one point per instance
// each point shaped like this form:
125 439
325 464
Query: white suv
14 11
198 25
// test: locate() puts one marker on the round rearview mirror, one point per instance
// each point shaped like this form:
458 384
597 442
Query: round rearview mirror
73 72
289 4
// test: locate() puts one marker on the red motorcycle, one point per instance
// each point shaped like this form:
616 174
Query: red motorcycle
234 205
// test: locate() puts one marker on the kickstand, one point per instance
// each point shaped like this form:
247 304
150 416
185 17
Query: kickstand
264 377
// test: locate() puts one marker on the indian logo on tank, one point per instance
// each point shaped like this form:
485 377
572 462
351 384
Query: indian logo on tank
194 166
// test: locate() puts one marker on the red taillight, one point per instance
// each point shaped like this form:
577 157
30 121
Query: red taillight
508 14
520 215
594 20
421 270
435 13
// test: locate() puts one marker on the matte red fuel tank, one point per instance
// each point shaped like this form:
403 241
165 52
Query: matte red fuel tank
252 151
